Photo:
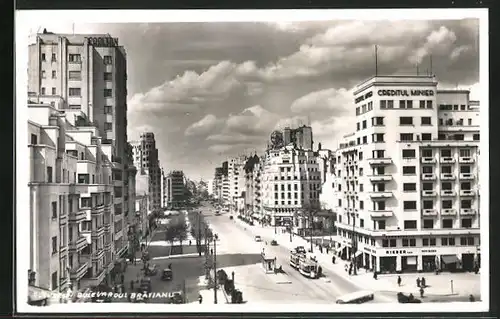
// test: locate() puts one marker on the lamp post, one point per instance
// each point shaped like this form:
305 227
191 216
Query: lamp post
215 268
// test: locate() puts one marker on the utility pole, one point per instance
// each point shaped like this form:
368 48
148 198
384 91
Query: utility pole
198 240
311 229
215 268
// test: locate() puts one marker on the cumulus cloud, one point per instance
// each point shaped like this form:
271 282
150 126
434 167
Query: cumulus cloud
204 126
438 42
337 101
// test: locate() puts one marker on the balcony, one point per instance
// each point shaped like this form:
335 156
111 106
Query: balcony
380 213
98 232
467 212
428 177
465 160
79 271
466 176
63 249
380 178
82 188
78 245
63 219
428 193
447 160
379 161
98 254
107 227
467 192
97 210
447 176
428 160
78 216
429 212
107 246
448 212
447 193
381 194
95 280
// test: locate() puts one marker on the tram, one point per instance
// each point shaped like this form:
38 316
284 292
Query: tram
308 266
295 259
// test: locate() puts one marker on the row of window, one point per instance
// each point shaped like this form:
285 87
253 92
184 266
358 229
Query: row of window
403 120
76 92
459 122
426 242
412 224
406 104
454 107
427 152
408 205
77 75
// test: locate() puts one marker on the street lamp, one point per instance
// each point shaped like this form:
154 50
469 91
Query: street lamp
215 268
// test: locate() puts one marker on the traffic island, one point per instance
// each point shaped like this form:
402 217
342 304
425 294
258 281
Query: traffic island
280 278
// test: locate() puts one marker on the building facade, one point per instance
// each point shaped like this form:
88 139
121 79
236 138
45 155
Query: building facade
291 185
407 178
225 183
236 176
86 77
147 162
176 189
163 189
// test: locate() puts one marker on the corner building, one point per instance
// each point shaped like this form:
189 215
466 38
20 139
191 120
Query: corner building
86 75
407 178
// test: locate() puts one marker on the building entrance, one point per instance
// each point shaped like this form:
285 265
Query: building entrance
429 263
409 263
468 262
388 264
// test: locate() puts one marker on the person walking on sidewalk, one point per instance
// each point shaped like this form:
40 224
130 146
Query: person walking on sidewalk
200 298
421 292
418 282
471 298
422 282
122 277
399 280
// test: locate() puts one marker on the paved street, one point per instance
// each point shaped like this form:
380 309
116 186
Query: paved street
257 286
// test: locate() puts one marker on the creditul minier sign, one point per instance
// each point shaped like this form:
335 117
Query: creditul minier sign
405 92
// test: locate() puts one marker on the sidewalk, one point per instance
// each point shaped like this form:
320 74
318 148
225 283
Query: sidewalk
438 285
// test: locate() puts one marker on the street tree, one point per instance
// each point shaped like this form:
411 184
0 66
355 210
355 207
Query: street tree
170 235
181 232
309 211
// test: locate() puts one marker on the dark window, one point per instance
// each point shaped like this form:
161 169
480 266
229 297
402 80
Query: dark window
54 244
426 136
428 223
392 243
409 170
406 137
108 76
428 204
43 56
108 126
475 137
426 120
410 224
405 120
108 92
408 153
108 59
75 58
466 223
34 139
409 205
422 104
75 75
409 187
381 224
75 92
447 223
108 109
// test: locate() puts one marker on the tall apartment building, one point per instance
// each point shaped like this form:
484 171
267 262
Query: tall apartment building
176 188
147 163
236 176
225 183
163 188
253 188
300 138
291 185
86 77
217 183
407 178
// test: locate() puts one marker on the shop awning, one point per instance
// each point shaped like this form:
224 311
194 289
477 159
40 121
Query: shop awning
450 259
358 253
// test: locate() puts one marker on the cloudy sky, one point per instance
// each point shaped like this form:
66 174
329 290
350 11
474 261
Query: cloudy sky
214 90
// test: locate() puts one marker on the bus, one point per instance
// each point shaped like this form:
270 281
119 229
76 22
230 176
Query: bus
308 266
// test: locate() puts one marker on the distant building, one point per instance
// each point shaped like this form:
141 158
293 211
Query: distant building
253 188
236 177
176 188
300 138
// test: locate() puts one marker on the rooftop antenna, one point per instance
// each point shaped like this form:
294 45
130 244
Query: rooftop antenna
376 60
417 69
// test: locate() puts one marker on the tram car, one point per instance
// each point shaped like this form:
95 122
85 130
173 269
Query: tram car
308 266
295 258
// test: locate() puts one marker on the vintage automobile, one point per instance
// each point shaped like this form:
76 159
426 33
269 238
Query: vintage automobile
176 297
258 238
145 285
274 243
300 249
402 298
356 297
167 274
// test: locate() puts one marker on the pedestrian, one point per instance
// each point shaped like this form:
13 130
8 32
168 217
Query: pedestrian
471 298
123 278
189 242
399 280
418 282
375 275
200 298
211 251
129 296
422 282
327 250
421 292
131 285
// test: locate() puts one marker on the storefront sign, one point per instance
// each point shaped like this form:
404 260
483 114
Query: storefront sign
405 92
103 41
398 252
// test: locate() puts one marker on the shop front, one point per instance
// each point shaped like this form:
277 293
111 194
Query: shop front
428 263
388 264
468 262
409 263
450 263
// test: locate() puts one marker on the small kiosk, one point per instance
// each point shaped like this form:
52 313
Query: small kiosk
268 262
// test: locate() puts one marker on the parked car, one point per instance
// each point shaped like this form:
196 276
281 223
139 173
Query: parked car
402 298
274 243
145 285
356 297
167 274
300 249
258 238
